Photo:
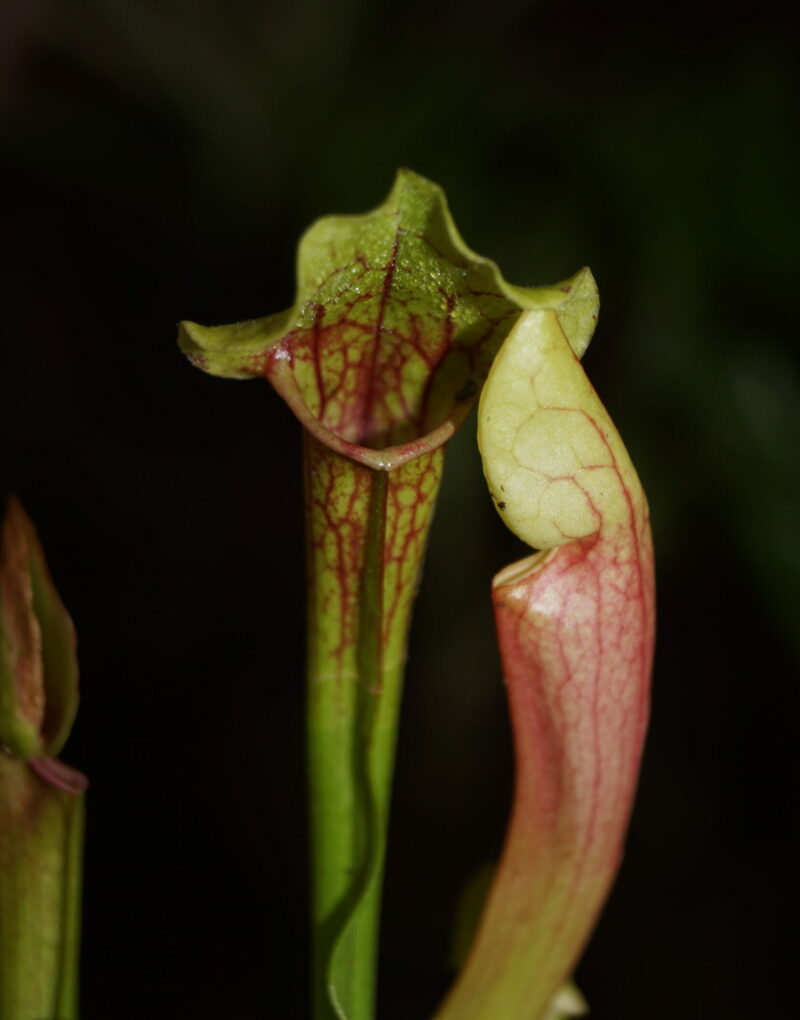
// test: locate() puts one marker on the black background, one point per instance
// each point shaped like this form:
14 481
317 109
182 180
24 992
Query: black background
159 161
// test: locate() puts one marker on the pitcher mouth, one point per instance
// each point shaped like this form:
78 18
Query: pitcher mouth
522 569
393 330
385 458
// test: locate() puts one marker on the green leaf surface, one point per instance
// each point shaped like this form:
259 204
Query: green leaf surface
367 532
41 837
393 329
38 664
41 799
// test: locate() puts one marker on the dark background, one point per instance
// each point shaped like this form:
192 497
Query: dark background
159 161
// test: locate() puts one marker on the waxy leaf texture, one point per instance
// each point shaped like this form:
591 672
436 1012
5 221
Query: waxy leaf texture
41 802
38 664
575 624
394 327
